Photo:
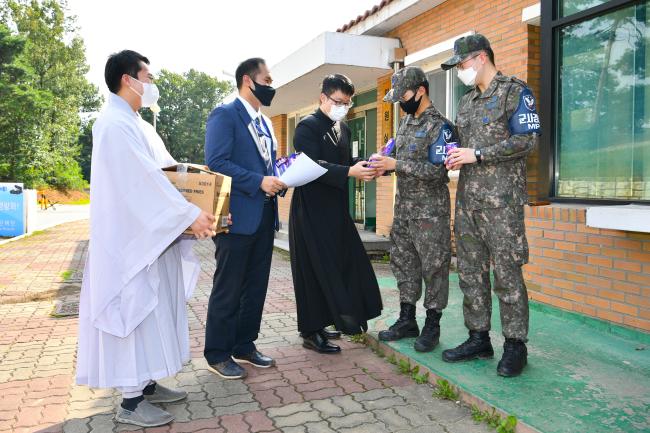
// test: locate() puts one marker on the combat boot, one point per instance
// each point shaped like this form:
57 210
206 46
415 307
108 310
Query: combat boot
515 358
406 326
430 335
478 345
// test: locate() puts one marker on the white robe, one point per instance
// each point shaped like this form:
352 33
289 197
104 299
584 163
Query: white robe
138 274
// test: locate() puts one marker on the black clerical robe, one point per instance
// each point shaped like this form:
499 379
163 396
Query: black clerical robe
332 276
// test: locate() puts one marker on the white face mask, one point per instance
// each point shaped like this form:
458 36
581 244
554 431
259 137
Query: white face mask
150 93
468 75
338 112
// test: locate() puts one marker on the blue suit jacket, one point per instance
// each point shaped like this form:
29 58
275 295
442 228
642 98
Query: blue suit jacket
230 149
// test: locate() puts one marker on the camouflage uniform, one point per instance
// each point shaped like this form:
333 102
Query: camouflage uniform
489 220
420 235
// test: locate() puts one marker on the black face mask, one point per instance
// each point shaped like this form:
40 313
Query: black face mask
411 106
263 93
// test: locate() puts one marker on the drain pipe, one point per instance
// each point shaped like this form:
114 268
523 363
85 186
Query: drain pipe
397 63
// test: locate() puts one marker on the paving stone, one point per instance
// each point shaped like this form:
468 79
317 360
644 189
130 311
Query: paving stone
236 408
289 409
348 404
352 420
318 427
375 394
366 428
296 419
76 426
391 419
327 408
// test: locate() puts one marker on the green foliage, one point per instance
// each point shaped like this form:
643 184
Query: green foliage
494 420
65 275
392 359
186 100
359 338
42 91
445 390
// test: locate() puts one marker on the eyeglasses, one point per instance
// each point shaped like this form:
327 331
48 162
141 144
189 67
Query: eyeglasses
464 62
341 103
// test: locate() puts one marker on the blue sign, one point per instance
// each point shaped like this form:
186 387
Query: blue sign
12 209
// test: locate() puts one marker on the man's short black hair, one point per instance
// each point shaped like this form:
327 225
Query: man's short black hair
248 67
118 64
335 82
490 55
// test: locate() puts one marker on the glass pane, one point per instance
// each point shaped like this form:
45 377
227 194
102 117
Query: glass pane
458 89
603 142
570 7
437 89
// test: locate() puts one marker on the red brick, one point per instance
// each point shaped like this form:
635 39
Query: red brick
601 241
637 323
597 302
588 249
627 266
612 317
613 253
609 294
563 284
553 254
627 244
639 278
555 235
641 257
575 297
625 309
639 301
576 237
565 246
601 283
565 227
626 287
613 274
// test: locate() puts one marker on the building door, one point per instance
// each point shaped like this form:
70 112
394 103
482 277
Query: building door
357 187
363 143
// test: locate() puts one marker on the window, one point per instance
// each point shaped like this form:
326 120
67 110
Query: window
445 90
602 97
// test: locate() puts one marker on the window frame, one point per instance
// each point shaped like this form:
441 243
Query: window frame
551 24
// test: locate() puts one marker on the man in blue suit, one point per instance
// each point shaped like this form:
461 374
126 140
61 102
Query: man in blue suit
239 142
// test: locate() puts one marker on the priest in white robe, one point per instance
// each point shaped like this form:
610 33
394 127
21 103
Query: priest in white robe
140 271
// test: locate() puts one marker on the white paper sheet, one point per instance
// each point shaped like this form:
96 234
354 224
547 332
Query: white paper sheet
302 171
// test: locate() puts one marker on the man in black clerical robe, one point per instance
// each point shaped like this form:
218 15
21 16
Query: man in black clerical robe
332 276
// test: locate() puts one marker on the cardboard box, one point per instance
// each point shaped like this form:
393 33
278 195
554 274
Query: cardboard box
206 189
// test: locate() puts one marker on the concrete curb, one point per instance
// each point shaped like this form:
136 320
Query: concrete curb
464 396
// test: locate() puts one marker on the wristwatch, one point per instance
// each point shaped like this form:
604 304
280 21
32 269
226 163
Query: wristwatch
477 154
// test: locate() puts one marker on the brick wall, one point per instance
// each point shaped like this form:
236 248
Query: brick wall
598 272
517 52
280 129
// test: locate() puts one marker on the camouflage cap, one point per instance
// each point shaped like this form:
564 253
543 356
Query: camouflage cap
465 46
408 78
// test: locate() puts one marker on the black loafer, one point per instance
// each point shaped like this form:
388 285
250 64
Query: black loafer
256 359
319 344
228 369
330 335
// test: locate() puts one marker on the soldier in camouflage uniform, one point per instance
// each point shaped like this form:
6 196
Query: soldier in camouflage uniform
420 235
498 127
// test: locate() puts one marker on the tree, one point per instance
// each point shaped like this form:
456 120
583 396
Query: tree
41 123
186 100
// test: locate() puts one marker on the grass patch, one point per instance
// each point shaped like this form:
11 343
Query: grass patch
445 390
80 201
494 420
65 276
359 338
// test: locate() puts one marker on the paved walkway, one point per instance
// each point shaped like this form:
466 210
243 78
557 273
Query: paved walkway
307 392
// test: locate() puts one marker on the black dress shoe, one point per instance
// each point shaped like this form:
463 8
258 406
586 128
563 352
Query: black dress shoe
255 358
330 335
228 369
319 344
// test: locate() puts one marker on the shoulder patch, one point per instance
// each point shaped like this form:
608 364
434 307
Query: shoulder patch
437 149
525 119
